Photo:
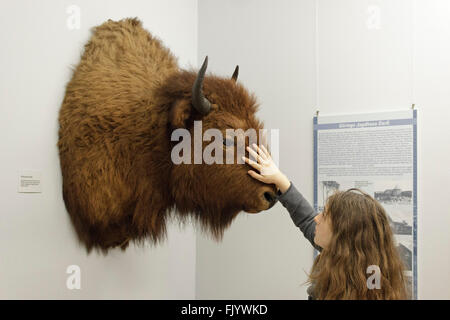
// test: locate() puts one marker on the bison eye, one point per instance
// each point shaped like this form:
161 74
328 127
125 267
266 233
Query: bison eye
228 142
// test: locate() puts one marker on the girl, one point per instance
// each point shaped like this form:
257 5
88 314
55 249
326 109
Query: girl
352 233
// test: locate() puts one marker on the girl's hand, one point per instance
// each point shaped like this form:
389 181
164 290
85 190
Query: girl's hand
268 171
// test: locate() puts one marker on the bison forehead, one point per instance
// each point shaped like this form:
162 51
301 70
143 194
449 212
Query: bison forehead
231 97
223 119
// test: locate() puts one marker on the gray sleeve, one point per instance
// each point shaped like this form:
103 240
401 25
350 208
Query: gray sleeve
301 212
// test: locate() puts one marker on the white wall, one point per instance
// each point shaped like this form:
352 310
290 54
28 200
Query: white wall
359 69
37 242
263 256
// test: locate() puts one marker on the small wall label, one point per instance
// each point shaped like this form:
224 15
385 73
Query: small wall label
30 182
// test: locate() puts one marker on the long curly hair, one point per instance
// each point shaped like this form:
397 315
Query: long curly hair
361 237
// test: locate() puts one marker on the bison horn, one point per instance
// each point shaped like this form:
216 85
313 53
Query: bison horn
235 74
201 104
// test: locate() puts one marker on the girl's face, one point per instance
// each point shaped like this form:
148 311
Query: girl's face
323 233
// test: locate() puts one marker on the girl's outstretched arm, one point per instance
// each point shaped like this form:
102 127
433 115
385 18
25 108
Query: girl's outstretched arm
301 212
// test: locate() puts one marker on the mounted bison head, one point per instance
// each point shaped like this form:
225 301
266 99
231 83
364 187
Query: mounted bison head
126 98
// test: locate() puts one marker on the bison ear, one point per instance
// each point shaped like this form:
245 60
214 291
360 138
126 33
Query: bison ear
180 113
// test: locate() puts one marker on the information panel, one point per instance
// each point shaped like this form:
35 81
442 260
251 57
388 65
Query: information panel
377 153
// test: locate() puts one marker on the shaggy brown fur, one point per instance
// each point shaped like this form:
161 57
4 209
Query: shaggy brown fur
125 98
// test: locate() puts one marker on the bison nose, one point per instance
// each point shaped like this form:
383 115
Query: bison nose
270 197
